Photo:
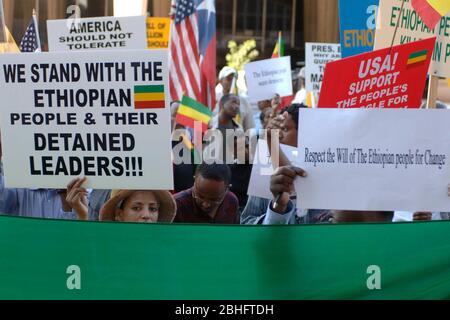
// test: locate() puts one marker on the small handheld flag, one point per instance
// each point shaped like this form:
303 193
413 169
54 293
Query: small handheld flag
279 47
191 111
190 146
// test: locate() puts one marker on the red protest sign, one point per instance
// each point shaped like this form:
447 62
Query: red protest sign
380 79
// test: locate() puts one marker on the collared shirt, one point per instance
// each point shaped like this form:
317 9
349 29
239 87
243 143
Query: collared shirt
214 123
35 203
259 211
189 212
97 199
245 109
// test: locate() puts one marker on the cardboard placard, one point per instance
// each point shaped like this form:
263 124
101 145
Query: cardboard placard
368 159
262 169
380 79
100 33
72 114
317 56
357 23
158 32
267 77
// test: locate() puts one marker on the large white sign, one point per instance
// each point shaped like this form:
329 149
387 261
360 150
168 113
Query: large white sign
317 55
267 77
262 169
104 116
100 33
368 159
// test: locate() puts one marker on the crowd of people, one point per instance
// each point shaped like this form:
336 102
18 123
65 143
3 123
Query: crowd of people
213 190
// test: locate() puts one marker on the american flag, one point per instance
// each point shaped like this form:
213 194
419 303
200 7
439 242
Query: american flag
30 41
193 51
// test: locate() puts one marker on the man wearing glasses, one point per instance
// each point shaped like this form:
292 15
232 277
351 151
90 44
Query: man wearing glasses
209 200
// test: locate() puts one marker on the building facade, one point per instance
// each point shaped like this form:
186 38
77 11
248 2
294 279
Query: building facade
299 20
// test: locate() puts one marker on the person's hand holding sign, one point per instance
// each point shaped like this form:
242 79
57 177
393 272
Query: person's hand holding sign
275 103
77 198
275 123
282 185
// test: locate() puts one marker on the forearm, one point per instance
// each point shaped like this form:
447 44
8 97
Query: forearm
272 217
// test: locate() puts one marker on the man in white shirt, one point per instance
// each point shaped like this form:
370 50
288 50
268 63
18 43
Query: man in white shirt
300 95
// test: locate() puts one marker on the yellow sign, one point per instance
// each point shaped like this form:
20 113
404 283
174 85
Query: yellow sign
158 31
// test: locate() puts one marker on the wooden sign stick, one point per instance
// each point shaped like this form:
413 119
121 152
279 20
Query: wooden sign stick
432 92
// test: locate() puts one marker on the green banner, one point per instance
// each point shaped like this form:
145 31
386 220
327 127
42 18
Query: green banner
136 261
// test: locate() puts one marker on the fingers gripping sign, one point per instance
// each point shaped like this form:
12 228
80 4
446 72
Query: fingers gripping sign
282 185
77 197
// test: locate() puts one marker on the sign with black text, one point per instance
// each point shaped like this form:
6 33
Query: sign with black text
74 114
267 77
317 55
100 33
158 32
374 159
386 78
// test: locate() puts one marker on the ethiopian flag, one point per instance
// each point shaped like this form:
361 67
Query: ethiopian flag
279 47
431 11
191 111
195 151
417 57
149 97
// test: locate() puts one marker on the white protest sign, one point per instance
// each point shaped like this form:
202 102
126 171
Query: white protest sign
72 114
411 28
267 77
317 55
262 169
369 159
100 33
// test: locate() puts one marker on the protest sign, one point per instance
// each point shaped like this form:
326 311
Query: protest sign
357 22
100 33
412 28
262 169
317 56
267 77
386 78
71 114
369 159
158 31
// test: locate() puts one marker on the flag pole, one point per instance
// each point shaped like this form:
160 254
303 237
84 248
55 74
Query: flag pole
36 6
3 37
35 19
432 92
396 26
